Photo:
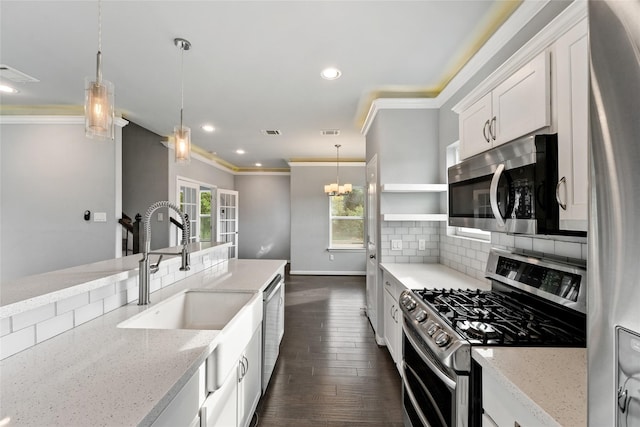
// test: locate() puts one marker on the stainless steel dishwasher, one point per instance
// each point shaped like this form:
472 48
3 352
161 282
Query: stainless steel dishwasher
272 327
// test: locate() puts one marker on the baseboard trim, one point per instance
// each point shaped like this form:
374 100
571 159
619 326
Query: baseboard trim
327 273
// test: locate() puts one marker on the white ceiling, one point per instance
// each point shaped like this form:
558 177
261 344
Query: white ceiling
253 65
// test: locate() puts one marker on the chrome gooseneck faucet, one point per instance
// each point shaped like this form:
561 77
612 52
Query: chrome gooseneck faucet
146 269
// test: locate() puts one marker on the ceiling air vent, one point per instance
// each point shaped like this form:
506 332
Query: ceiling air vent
330 132
15 76
271 132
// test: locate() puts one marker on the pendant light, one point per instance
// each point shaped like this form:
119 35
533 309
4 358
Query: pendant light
99 98
335 189
181 133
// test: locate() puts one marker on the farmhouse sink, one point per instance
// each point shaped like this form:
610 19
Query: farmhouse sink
192 309
237 314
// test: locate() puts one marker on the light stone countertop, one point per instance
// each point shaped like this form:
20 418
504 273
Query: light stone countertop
100 375
30 292
550 382
419 276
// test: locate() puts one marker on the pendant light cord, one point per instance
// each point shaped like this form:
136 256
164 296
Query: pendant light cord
338 165
99 56
181 84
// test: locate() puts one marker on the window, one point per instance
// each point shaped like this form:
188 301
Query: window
205 214
453 157
346 225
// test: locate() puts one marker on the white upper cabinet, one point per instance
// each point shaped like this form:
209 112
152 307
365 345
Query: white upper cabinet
519 105
572 100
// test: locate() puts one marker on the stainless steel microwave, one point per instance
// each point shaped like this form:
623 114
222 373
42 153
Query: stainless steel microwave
510 188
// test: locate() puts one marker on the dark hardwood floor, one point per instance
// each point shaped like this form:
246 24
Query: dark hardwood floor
330 372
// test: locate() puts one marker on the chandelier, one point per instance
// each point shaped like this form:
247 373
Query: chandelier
335 189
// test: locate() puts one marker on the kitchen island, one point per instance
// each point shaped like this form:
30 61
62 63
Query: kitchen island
100 374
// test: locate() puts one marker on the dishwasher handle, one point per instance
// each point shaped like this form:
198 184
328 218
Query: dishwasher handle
273 287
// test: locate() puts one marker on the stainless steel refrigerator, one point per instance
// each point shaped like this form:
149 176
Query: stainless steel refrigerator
613 316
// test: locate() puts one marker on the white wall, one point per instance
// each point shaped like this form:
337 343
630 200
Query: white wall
310 220
265 216
51 173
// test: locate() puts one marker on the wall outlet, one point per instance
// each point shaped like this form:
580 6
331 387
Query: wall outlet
160 217
396 245
330 257
100 217
422 245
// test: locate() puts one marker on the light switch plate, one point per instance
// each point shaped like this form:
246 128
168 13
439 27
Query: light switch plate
160 216
422 245
396 245
100 217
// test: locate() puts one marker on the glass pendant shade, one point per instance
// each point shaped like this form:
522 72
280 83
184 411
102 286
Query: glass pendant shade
182 136
98 109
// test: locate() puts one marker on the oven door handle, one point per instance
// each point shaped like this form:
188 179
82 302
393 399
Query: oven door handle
414 401
493 195
445 379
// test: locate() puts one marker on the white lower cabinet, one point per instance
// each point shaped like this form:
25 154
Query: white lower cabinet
501 408
250 379
234 403
183 409
393 318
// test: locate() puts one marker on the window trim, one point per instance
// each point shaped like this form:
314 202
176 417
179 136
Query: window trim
345 247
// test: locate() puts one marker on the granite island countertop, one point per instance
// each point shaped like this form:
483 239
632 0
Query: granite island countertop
99 374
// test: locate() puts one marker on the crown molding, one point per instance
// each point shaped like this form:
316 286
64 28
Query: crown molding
562 23
396 104
518 19
332 164
50 120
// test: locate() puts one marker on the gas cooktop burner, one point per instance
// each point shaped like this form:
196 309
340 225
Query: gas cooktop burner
494 318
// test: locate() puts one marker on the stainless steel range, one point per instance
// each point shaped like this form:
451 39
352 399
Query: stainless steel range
532 302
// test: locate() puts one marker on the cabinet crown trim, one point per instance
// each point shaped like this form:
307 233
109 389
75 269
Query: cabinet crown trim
568 18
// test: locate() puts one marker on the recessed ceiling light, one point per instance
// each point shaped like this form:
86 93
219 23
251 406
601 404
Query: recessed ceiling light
240 151
208 128
330 73
258 164
7 89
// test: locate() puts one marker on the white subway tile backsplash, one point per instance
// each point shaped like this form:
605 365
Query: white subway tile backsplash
544 246
525 243
31 317
568 249
102 293
17 341
5 326
115 301
507 240
72 303
52 327
88 312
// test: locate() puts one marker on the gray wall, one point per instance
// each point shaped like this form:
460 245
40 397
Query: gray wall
265 216
50 174
310 221
145 177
